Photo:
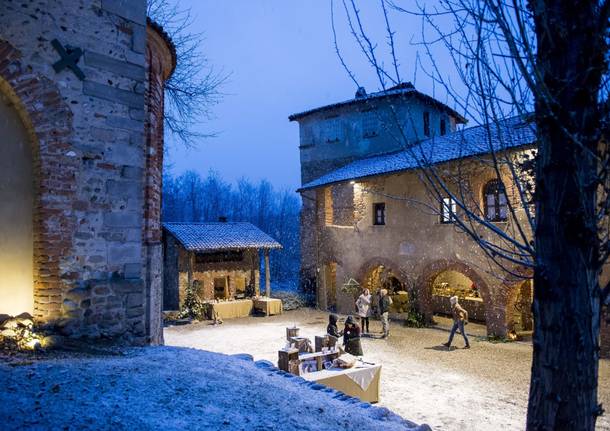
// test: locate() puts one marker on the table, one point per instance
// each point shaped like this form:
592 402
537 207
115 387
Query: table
269 306
230 309
360 381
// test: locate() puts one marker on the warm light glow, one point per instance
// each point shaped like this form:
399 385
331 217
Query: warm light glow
33 343
16 197
352 182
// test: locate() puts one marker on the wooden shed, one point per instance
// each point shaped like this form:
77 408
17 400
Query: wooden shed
219 259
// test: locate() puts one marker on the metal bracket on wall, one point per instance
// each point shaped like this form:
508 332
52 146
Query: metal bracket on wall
69 58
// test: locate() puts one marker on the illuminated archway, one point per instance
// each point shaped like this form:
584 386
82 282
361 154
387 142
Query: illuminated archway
16 213
47 121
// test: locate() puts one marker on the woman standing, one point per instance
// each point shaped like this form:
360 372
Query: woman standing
363 305
351 337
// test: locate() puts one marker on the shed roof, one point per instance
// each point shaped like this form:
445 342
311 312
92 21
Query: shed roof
473 141
405 89
216 236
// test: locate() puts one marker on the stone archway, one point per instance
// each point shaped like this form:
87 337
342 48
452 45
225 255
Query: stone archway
47 121
424 290
389 268
516 292
16 214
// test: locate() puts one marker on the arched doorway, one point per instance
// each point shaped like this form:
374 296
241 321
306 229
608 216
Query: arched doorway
382 277
521 312
16 220
329 284
459 277
452 282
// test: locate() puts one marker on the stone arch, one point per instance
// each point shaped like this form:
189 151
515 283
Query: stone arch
431 270
510 290
376 262
48 121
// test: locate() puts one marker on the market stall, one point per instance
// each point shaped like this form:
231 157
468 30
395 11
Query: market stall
229 309
330 366
360 381
268 306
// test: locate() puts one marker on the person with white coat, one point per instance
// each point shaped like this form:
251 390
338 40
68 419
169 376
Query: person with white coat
363 305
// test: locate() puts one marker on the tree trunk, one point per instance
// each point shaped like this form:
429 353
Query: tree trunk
563 389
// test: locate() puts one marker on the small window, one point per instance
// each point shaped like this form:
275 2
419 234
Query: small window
443 127
332 130
379 214
494 201
448 210
370 124
427 123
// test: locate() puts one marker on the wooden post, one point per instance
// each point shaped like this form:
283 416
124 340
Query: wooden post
267 274
190 269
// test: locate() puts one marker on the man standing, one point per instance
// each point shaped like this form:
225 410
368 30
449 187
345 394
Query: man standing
460 317
384 310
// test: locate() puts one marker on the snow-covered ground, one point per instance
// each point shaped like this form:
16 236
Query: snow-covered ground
169 388
484 388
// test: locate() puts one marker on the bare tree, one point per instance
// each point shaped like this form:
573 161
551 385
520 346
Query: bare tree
514 57
194 87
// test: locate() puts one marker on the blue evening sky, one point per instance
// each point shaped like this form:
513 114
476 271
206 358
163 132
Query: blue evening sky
281 60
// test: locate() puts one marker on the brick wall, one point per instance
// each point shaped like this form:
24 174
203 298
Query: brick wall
98 167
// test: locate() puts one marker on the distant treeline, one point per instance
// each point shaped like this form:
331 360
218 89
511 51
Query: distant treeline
192 198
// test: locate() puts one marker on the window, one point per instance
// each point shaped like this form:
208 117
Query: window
495 202
427 123
443 127
448 210
332 130
379 214
370 124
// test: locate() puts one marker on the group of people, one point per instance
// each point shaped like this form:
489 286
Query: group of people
368 306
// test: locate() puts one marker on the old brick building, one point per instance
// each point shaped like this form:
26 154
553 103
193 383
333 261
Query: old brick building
81 114
367 214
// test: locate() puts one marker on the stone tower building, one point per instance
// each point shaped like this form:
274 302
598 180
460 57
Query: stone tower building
81 146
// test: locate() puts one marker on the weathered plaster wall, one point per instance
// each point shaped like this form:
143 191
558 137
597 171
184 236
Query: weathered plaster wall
413 243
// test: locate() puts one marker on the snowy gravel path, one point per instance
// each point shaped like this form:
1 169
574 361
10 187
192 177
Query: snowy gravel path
169 388
484 388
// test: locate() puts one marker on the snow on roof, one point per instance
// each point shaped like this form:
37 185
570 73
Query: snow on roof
403 89
220 236
510 133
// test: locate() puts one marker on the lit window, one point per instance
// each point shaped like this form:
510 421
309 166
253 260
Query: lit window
448 210
494 200
379 214
427 123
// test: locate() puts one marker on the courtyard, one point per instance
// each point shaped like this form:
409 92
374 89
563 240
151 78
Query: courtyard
484 388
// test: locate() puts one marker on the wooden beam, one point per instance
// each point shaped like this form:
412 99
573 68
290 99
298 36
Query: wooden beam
190 269
267 274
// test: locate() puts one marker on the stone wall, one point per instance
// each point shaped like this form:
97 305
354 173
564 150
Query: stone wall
96 244
335 137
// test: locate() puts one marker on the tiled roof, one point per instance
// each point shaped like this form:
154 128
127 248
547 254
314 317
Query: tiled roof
401 90
220 236
473 141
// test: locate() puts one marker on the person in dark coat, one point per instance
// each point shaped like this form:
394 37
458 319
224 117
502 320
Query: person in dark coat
351 337
332 328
